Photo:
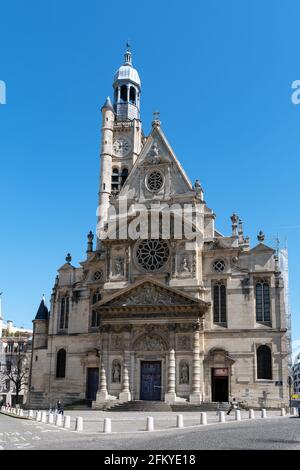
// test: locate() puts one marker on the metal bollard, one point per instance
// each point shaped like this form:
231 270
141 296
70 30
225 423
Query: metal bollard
221 417
107 425
79 424
30 414
38 416
282 412
50 418
237 415
44 417
294 411
179 421
263 413
203 417
150 423
21 412
251 414
58 420
67 422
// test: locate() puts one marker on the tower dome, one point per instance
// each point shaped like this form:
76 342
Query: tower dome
127 90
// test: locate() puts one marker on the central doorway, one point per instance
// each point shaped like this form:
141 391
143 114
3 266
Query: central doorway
151 380
219 385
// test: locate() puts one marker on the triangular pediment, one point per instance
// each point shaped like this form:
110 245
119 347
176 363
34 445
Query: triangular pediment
156 155
262 248
150 293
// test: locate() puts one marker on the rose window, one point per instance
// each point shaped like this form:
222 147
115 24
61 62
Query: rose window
152 255
219 265
155 181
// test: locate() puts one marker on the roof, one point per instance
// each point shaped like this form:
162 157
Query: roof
42 313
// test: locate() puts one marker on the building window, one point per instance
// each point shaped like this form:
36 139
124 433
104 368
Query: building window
219 297
95 319
64 313
61 363
118 179
132 95
124 175
262 294
219 265
264 362
123 93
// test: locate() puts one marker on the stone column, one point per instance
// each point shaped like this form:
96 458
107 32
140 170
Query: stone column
125 395
195 396
170 396
102 394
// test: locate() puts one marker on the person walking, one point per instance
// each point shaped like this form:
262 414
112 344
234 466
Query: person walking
233 406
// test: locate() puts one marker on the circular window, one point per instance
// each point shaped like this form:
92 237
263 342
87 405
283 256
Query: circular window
98 275
219 265
152 255
155 181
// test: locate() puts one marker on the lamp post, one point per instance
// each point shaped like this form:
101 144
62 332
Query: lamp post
290 383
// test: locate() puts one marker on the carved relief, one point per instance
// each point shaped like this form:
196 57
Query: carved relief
149 343
150 295
184 342
116 342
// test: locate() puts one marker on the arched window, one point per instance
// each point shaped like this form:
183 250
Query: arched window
64 313
115 180
124 175
123 93
262 294
95 319
264 362
61 363
132 95
219 293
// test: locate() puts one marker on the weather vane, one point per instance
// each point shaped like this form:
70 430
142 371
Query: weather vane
128 45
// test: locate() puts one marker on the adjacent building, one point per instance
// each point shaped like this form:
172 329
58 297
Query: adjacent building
15 351
164 306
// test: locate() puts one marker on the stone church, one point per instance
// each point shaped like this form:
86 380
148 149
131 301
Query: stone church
164 307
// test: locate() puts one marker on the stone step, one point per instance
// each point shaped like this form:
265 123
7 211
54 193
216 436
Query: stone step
139 405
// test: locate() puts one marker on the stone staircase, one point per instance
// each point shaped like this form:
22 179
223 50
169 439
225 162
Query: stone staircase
138 405
212 406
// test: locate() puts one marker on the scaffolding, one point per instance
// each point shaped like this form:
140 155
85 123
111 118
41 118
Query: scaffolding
283 263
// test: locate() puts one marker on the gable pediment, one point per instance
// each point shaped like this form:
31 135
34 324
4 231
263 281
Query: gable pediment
148 294
158 155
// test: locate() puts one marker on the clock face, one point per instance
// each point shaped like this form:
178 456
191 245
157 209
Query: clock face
122 146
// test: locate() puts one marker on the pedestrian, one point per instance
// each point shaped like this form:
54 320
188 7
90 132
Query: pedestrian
233 406
59 407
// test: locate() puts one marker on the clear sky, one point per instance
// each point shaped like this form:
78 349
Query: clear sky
219 72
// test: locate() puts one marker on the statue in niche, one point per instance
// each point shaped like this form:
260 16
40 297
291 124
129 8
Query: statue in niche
116 372
185 265
184 373
119 267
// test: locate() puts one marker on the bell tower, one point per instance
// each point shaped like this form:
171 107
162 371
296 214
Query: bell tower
127 90
121 136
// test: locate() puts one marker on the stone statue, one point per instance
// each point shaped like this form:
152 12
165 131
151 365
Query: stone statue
119 267
116 372
184 265
184 373
155 158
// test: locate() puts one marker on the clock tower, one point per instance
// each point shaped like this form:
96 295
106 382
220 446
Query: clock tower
121 134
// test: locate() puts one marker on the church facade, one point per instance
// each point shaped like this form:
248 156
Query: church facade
164 307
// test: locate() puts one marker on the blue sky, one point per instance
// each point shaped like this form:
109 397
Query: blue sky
219 72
